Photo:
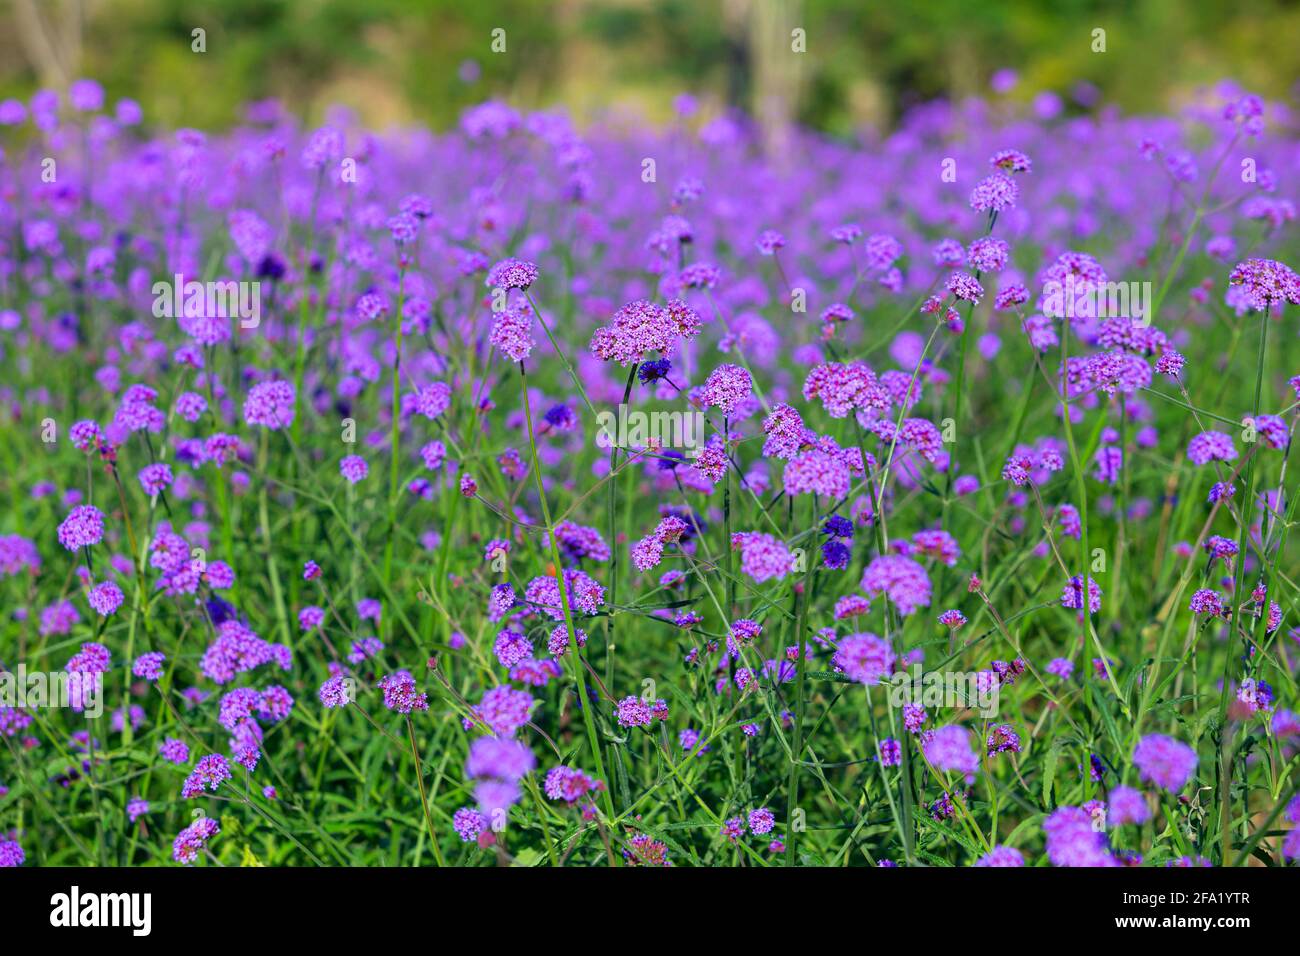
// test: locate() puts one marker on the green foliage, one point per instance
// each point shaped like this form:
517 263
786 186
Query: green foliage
426 60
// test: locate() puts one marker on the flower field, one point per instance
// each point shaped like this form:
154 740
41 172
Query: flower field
538 494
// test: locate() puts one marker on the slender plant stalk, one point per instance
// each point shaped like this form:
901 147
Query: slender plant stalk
584 702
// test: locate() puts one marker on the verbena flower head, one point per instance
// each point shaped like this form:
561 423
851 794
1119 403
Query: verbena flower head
1001 856
641 328
1206 601
353 468
1164 761
1125 806
762 557
83 527
191 841
1072 595
500 758
400 694
1011 161
1266 283
996 192
949 749
901 579
865 658
512 331
568 784
726 387
270 405
505 710
964 286
988 254
511 274
336 692
105 598
843 388
1211 446
1073 840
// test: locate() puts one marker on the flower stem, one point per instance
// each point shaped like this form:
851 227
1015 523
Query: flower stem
584 703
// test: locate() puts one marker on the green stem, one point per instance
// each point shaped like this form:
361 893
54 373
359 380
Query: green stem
593 741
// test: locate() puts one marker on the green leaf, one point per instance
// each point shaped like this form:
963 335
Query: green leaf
1049 772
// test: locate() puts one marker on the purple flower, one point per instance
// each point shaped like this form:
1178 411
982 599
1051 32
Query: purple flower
270 404
953 618
505 709
1266 283
865 658
1126 805
400 694
353 468
1164 761
1001 856
432 400
209 773
965 287
324 146
174 751
949 748
11 853
336 692
891 752
1073 840
1211 446
642 327
761 821
634 712
843 388
1206 601
901 579
1170 362
105 598
1002 739
91 659
511 274
83 527
468 823
987 255
769 240
817 472
512 331
1072 594
995 193
149 666
1060 667
726 387
136 807
512 647
496 797
499 758
86 95
155 478
762 557
12 112
1011 161
194 839
568 784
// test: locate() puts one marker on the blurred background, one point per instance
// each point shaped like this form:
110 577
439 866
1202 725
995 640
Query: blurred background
399 61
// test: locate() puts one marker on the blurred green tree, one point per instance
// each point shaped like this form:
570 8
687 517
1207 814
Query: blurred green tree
425 60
